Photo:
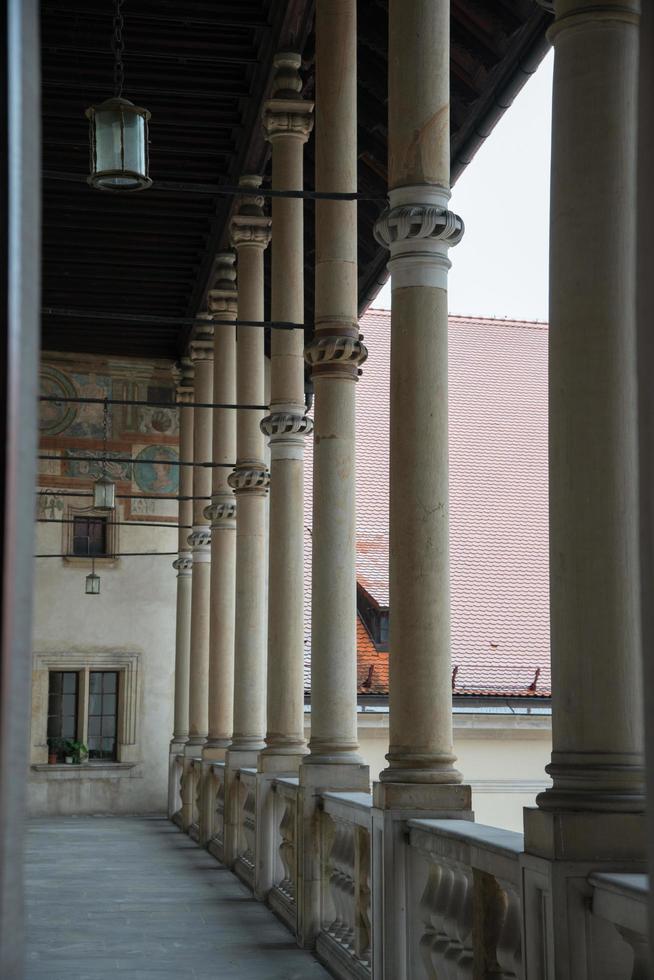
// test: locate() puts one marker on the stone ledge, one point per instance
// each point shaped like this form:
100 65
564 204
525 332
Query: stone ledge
104 770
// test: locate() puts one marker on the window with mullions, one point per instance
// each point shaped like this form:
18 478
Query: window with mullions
63 692
103 714
89 536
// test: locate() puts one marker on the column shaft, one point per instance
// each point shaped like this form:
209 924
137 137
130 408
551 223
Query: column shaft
222 512
250 236
287 123
335 355
594 594
418 229
184 561
201 353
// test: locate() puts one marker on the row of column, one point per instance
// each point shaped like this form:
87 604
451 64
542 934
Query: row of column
597 756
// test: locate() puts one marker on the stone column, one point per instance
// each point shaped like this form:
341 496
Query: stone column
183 563
250 232
419 229
593 815
334 356
287 122
221 512
199 539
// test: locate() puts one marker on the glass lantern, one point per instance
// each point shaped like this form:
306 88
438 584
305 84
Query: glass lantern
104 494
118 135
93 584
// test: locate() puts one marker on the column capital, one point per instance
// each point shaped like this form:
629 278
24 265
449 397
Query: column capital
249 477
584 13
338 355
250 226
200 539
222 510
183 375
201 346
184 563
287 115
418 229
222 298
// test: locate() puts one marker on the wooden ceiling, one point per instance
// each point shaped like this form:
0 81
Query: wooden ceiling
114 265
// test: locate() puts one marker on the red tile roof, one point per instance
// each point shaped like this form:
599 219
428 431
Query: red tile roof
498 502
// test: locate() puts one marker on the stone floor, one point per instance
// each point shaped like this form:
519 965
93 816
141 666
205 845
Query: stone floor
135 898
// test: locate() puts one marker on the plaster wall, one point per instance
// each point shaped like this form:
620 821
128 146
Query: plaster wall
134 613
131 624
502 758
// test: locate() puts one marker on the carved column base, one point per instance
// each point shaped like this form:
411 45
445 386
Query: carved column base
393 804
315 780
561 851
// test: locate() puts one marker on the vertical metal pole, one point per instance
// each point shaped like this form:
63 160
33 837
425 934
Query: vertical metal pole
21 155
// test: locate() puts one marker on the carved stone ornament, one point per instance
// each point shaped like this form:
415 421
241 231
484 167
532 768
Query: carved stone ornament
250 226
222 297
183 374
286 424
184 563
247 478
200 537
338 355
201 346
416 222
220 512
286 113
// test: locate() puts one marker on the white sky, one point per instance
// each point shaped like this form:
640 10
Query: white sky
500 268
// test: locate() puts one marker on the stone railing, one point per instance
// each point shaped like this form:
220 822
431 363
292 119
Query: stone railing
177 783
463 882
345 941
195 775
282 896
215 786
620 901
246 835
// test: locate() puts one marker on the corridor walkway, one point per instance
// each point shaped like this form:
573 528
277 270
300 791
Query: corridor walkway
132 897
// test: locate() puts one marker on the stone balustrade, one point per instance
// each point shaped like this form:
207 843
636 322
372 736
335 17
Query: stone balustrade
345 942
176 786
195 774
621 900
215 787
463 914
246 833
283 894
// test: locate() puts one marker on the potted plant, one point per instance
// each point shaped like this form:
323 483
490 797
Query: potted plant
54 747
76 752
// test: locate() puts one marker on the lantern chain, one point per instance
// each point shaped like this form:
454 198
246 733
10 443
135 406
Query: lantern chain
105 428
118 46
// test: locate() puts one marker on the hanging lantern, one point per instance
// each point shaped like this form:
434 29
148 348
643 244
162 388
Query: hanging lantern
104 494
118 130
118 135
93 582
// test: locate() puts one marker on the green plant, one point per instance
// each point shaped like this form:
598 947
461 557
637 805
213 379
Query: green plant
76 749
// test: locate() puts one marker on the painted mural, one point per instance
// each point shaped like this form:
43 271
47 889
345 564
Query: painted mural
141 440
155 469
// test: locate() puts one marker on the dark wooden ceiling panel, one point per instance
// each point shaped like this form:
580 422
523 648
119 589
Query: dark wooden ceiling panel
203 67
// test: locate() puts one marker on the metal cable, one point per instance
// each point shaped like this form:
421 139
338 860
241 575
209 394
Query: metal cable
152 404
129 459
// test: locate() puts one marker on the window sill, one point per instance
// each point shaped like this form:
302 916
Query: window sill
86 561
87 770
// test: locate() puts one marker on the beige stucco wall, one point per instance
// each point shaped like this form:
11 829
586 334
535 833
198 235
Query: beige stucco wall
502 756
135 613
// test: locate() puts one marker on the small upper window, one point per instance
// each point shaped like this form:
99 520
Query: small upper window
89 536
